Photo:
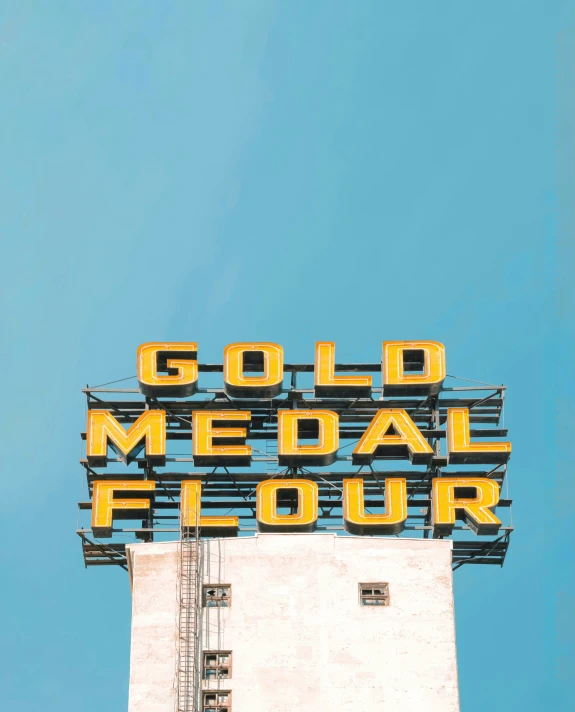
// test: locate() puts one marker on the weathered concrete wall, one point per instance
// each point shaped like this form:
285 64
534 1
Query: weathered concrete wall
299 638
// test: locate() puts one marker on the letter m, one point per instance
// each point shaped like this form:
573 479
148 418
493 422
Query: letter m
148 431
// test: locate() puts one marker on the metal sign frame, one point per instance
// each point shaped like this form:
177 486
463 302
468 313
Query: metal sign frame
232 490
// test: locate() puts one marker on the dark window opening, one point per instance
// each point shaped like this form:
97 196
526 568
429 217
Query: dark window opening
219 701
217 596
374 594
217 665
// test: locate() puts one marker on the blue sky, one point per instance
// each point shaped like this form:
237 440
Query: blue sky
284 171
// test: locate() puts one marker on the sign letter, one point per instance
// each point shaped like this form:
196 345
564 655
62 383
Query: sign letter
327 384
265 357
104 505
413 368
296 424
472 496
103 430
209 427
392 434
177 359
301 495
190 513
356 521
460 448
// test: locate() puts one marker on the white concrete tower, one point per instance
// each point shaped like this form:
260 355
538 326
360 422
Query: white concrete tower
286 628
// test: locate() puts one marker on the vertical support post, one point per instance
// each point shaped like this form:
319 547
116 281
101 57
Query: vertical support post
435 423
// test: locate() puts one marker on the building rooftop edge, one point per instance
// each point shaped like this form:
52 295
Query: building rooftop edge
143 547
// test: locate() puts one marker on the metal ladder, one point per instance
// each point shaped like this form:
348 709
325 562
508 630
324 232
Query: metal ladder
271 454
190 602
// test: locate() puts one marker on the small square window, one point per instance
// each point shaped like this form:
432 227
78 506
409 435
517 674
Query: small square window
217 665
374 594
217 596
217 701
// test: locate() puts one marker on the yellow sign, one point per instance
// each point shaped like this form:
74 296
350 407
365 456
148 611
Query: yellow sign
407 368
113 498
217 442
308 435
